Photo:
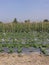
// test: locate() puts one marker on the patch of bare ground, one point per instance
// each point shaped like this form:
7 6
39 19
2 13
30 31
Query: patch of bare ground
23 59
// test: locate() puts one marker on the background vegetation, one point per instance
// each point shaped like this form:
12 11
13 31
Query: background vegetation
25 26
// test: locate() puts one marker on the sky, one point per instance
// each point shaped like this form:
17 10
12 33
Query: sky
24 9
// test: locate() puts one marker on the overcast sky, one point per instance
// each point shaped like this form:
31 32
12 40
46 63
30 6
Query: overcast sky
24 9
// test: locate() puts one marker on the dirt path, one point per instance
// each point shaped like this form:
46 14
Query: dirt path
24 59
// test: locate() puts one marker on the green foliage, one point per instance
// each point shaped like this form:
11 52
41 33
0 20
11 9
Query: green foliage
10 50
19 50
24 33
24 27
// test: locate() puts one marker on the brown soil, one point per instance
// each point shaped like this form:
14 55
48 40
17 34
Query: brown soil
23 59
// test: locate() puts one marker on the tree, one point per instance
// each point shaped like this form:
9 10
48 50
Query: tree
46 20
15 20
0 21
27 21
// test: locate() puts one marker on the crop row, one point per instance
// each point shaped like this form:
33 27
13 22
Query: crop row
24 27
20 46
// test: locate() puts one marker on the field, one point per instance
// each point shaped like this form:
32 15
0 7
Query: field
24 43
24 37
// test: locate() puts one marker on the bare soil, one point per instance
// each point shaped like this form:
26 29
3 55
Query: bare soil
23 59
